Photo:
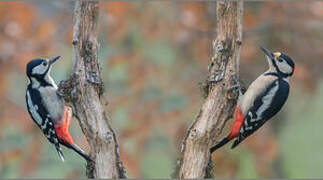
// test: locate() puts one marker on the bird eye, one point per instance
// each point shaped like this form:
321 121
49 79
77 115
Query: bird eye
280 60
44 63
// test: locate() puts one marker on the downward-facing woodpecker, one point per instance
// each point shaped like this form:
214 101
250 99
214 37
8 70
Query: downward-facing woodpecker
262 100
46 108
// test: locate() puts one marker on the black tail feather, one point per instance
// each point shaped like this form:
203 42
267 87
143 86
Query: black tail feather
220 144
77 149
80 152
60 153
236 143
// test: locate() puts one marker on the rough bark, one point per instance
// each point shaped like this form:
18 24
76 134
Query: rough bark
83 91
221 97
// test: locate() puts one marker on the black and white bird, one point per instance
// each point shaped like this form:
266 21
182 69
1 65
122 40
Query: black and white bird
262 100
46 108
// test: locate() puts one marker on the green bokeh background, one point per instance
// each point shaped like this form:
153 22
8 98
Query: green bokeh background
153 56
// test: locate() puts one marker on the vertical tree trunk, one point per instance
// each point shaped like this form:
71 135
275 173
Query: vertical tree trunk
83 91
219 104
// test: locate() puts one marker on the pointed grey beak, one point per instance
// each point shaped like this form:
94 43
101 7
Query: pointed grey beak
267 52
53 59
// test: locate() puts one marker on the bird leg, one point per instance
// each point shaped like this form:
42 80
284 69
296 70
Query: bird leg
235 86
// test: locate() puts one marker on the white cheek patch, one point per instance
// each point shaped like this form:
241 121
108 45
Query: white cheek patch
284 67
40 69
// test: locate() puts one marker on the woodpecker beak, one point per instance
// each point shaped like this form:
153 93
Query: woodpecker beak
268 53
53 59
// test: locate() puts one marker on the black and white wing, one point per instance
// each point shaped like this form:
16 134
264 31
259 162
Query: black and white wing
41 117
266 105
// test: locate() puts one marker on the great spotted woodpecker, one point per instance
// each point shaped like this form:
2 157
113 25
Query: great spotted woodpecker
262 100
46 108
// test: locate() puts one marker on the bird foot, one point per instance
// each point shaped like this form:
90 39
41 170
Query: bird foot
235 86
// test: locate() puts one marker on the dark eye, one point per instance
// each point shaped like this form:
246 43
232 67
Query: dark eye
44 63
280 60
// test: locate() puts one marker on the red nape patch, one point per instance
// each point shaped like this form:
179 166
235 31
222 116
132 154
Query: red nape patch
62 129
293 70
238 120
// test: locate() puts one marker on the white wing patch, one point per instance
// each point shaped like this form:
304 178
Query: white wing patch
266 100
241 130
33 110
45 124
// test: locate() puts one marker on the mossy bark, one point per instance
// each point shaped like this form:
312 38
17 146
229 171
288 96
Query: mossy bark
221 97
83 91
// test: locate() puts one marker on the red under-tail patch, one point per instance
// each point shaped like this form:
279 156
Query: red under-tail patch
238 120
62 129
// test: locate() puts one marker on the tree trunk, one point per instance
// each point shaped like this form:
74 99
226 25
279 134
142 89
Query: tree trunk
83 91
221 97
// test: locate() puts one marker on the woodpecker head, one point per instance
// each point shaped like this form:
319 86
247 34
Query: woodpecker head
279 62
38 70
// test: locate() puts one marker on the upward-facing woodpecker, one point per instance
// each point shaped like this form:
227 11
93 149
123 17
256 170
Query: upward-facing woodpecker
46 108
262 100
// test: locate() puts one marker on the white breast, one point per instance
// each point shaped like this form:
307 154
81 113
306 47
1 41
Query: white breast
52 102
256 87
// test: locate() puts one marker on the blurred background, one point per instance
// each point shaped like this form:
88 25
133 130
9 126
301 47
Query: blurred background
153 56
